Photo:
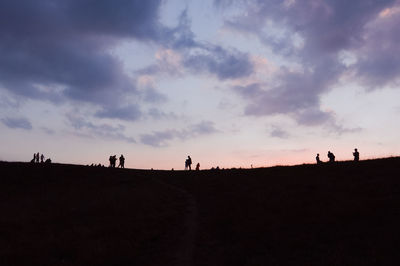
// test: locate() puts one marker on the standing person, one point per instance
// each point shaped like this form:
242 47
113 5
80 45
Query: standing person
111 161
37 157
356 155
114 160
189 163
42 158
317 158
197 166
121 161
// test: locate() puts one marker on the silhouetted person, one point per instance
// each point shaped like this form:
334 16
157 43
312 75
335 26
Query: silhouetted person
42 158
331 157
317 158
37 158
197 166
356 155
121 161
189 162
48 161
113 160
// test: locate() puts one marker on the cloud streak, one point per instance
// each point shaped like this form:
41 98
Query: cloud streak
15 123
162 138
84 127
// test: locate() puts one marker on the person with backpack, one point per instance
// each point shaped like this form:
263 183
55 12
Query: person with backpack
331 157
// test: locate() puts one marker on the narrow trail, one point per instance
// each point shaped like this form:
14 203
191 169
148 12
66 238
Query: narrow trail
185 253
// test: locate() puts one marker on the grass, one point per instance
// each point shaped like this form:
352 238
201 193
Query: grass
342 214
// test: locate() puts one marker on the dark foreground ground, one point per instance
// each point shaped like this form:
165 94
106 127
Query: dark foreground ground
343 214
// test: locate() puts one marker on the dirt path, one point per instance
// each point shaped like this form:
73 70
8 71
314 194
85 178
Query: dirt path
187 246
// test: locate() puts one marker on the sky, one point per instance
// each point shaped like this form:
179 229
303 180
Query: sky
232 83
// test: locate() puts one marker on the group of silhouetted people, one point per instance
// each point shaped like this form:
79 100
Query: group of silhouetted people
188 163
96 165
113 160
331 157
37 158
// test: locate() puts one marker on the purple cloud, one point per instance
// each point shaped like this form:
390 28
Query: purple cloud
378 58
162 138
277 132
157 114
208 58
84 127
200 57
48 131
293 93
326 26
58 51
225 64
203 128
128 113
14 123
151 95
323 30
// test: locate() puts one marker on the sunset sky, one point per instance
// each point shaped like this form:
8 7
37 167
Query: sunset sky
232 83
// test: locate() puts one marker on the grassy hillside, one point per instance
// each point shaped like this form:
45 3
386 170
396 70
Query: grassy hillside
342 214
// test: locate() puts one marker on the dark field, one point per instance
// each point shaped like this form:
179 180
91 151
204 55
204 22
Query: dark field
342 214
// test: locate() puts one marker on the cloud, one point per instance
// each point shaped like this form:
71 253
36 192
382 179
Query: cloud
326 26
151 95
61 52
203 128
14 123
223 63
130 18
157 114
182 52
199 57
84 127
58 51
9 102
168 61
127 113
378 58
277 132
204 59
162 138
294 93
314 35
48 131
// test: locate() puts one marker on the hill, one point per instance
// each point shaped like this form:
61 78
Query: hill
342 214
